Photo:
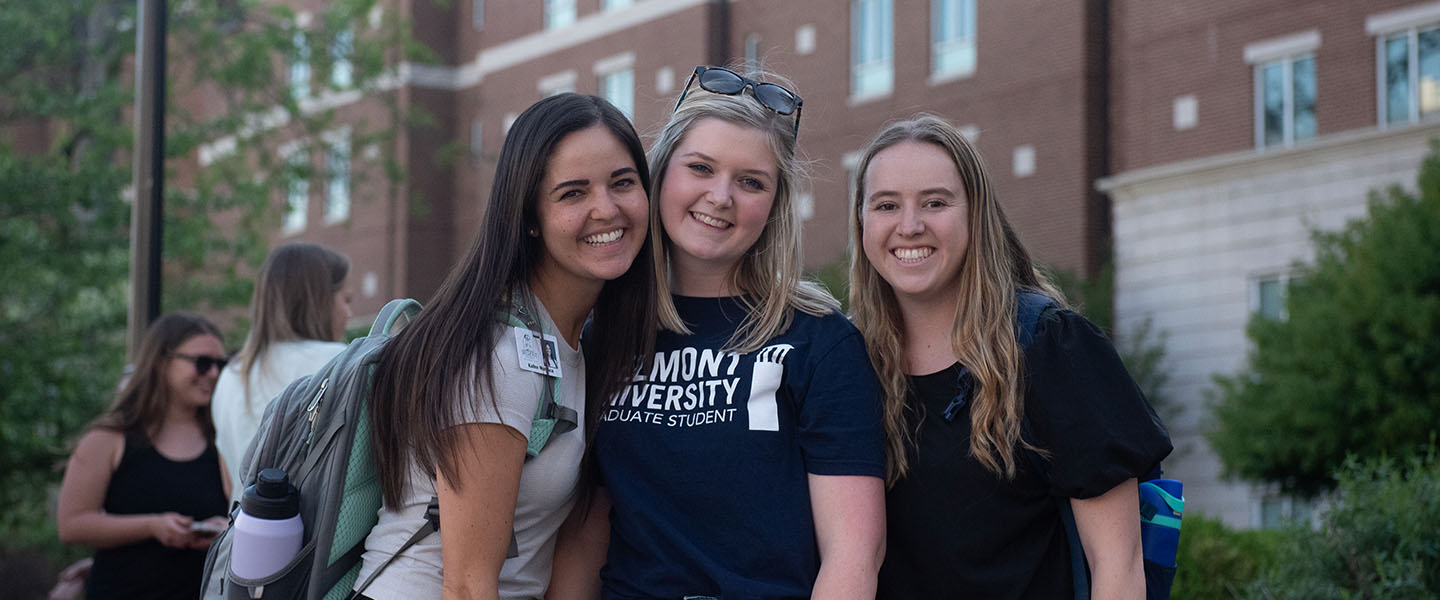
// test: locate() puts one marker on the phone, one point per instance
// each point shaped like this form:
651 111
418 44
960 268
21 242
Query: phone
205 529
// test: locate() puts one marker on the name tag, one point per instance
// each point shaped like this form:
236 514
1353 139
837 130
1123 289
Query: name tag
538 353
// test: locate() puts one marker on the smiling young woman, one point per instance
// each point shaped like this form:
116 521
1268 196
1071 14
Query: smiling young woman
936 290
564 239
748 461
145 473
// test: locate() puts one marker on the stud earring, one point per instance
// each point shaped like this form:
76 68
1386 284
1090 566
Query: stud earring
534 232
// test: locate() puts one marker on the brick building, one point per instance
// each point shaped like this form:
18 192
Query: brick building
1030 97
1215 132
1237 127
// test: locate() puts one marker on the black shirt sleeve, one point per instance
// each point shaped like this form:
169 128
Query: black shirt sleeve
1086 410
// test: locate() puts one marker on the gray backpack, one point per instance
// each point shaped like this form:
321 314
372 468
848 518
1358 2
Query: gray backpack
318 431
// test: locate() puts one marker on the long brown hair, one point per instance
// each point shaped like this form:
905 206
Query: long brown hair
449 346
770 271
294 300
142 401
995 267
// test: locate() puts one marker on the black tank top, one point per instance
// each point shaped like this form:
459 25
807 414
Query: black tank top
146 482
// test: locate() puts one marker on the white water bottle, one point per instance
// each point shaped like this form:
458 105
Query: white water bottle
268 531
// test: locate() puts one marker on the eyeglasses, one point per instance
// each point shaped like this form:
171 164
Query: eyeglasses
202 362
719 80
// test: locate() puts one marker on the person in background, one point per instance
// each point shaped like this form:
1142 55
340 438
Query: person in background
936 287
748 462
145 485
456 391
297 319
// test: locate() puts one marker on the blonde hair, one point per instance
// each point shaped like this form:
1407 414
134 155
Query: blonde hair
995 267
769 275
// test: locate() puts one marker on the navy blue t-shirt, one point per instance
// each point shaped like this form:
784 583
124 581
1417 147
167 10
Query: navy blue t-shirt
706 456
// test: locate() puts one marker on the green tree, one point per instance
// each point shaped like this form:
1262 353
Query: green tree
65 136
1352 370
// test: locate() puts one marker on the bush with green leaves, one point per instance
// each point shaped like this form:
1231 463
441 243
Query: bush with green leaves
1216 562
1352 370
1380 538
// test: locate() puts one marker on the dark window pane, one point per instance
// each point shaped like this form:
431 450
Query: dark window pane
1273 102
1397 79
1303 73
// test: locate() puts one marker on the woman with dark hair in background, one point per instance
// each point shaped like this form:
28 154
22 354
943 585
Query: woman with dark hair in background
297 319
936 286
145 485
563 237
748 462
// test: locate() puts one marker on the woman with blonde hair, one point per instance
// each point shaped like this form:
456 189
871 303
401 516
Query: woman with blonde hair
747 462
937 288
145 486
297 319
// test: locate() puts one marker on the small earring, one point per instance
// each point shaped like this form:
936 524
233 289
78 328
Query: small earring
534 232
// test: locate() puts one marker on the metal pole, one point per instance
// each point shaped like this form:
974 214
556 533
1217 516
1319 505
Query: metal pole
148 171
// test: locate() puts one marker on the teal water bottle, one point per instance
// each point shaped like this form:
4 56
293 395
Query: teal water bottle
1162 503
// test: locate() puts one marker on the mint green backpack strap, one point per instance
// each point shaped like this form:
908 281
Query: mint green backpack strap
551 418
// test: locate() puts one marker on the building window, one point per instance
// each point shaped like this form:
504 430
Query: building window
1269 297
871 48
342 73
297 201
1410 75
559 83
952 38
300 67
752 52
559 13
619 88
1279 511
477 14
616 4
477 139
1284 101
337 187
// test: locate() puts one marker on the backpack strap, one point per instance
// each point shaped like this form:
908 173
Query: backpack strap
551 417
1029 307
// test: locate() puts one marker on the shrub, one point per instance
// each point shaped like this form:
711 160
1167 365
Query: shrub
1381 538
1216 562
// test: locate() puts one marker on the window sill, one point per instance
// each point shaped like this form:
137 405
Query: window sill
937 79
868 97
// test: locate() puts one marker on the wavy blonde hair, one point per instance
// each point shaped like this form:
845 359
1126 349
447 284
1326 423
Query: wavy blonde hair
995 267
769 276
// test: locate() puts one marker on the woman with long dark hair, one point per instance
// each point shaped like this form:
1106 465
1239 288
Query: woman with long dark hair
297 322
936 286
456 391
145 485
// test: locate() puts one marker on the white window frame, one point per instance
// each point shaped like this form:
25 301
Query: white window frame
752 52
297 192
557 83
342 71
559 13
881 67
962 44
606 70
1409 21
298 71
1287 110
609 5
1286 50
1282 279
337 176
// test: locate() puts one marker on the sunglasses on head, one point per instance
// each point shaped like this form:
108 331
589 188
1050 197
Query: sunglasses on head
202 362
719 80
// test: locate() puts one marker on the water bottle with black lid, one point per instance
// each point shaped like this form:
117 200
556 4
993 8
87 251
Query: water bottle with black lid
268 531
